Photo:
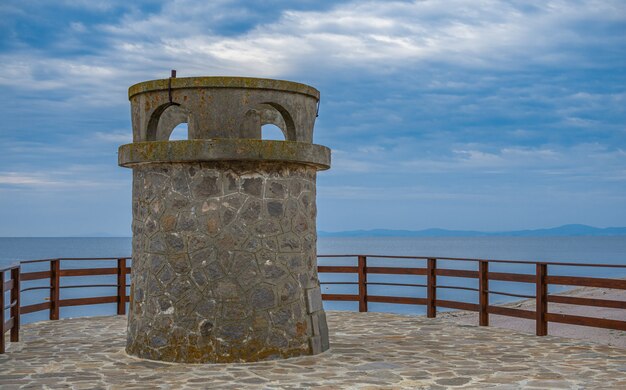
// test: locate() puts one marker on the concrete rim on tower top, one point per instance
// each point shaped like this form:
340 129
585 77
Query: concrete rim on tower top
200 150
222 82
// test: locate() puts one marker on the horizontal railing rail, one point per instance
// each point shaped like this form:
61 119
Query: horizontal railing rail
54 286
12 277
541 279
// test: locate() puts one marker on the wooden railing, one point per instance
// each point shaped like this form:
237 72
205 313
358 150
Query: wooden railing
54 274
12 324
541 279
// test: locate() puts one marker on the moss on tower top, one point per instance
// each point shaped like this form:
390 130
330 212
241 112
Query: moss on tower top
222 82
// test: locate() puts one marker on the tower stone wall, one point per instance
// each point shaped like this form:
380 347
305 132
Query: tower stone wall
224 224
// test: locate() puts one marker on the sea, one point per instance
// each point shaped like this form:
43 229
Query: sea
594 250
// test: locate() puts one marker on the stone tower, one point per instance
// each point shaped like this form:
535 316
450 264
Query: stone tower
224 237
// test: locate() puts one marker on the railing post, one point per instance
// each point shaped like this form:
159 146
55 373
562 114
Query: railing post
2 347
431 289
121 286
15 301
362 269
55 281
542 301
483 291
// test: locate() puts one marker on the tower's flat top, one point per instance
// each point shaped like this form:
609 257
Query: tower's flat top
222 82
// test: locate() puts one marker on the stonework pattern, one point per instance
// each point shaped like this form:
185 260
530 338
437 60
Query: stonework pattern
369 351
224 262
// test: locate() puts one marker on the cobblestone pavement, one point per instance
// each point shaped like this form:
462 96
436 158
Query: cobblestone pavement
368 350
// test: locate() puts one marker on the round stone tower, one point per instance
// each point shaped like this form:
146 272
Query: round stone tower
224 237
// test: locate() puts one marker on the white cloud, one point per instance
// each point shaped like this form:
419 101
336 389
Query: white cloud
580 163
376 36
78 27
397 193
494 96
20 179
347 165
69 177
116 137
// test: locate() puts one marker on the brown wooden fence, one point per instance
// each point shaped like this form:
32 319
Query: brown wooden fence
53 303
541 279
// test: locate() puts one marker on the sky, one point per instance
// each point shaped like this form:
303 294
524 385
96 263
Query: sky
460 114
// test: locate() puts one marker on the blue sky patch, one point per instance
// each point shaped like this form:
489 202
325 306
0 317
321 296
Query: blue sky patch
492 116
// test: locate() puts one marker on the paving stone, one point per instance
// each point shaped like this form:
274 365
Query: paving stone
368 351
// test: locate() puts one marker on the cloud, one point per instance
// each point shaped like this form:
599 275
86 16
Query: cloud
115 137
572 166
78 27
346 162
400 193
14 178
72 178
423 100
377 37
491 34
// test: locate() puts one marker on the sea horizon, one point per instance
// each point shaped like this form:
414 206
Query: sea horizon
535 248
566 230
598 250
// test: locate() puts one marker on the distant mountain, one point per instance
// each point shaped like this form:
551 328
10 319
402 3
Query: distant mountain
98 235
561 231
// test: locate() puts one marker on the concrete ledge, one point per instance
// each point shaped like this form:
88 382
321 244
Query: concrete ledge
222 82
199 150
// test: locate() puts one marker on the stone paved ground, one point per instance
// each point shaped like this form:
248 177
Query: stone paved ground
368 350
597 335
